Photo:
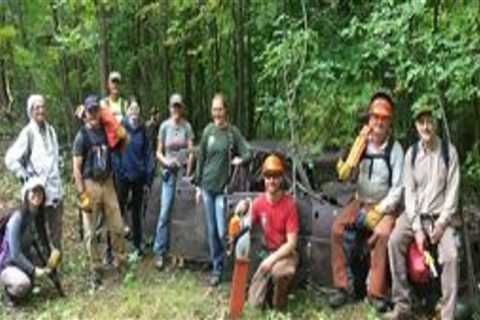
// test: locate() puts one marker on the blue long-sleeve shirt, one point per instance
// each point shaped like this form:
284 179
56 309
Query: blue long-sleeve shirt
137 160
20 236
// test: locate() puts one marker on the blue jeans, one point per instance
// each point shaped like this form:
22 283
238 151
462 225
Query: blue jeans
214 205
162 235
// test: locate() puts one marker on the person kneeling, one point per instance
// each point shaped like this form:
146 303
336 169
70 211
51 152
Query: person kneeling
277 214
17 271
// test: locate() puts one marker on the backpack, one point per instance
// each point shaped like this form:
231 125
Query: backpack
100 156
385 156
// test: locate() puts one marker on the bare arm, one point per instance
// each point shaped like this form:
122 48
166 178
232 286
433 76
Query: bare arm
190 158
77 173
286 249
160 156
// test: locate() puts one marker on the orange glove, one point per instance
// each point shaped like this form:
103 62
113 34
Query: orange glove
234 227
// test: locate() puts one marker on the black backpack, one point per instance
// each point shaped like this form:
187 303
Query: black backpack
385 156
100 156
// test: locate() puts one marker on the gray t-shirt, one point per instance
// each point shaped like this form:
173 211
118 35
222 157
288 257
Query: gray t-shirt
91 145
174 138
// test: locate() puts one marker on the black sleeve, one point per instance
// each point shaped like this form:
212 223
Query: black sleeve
78 145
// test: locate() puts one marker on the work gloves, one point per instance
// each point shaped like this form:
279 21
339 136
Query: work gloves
85 202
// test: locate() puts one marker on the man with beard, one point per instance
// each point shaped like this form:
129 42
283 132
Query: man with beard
432 181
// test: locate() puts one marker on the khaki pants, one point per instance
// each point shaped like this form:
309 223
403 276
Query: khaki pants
103 196
54 219
400 239
278 280
377 285
16 282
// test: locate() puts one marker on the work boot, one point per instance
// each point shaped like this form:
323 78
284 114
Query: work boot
214 280
380 304
398 314
159 263
340 297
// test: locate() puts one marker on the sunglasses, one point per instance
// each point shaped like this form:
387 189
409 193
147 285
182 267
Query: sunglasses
380 117
269 176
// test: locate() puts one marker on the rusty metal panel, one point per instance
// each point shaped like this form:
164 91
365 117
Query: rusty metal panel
322 217
304 207
321 271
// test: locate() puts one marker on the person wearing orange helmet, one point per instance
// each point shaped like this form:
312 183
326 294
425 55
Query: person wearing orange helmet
276 213
376 162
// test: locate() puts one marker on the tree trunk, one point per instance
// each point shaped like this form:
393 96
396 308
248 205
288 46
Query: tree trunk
103 45
166 61
250 86
238 8
67 103
4 99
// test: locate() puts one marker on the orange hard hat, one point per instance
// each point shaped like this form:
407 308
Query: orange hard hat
381 107
273 164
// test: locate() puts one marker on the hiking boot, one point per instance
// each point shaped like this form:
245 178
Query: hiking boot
398 314
379 304
339 298
159 263
214 280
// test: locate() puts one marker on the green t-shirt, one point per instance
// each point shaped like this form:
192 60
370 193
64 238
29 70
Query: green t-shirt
213 160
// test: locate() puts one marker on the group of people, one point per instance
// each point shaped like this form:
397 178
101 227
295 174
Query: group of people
398 200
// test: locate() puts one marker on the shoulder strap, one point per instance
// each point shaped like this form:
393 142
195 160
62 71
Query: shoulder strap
413 156
388 159
445 153
86 137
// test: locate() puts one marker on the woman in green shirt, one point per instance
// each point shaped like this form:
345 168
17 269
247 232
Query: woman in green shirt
221 146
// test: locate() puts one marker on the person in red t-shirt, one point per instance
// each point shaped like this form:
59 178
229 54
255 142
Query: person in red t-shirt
276 213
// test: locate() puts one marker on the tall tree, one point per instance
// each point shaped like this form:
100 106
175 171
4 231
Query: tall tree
103 44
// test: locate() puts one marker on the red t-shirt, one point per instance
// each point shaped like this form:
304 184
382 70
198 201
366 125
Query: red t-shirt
277 219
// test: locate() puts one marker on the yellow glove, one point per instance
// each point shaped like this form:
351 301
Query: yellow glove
54 260
344 168
85 202
430 262
373 218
